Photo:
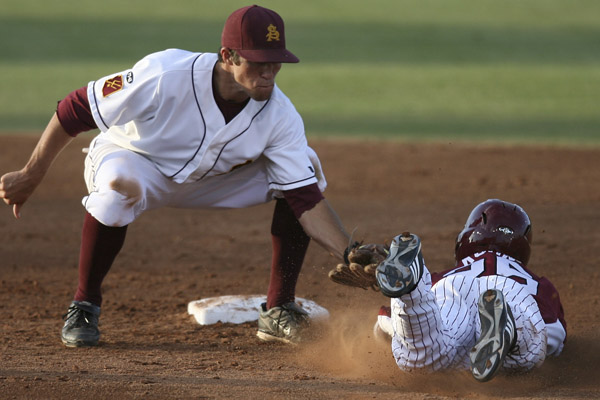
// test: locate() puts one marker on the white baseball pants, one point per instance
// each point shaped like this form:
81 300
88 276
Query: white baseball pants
123 184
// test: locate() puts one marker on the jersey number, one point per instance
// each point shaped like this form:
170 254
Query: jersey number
498 266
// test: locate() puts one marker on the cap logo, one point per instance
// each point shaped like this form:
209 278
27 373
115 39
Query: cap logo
112 85
273 33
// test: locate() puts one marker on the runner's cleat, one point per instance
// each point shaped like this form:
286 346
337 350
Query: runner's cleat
401 271
498 335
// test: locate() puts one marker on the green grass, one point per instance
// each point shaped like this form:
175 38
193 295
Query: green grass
497 71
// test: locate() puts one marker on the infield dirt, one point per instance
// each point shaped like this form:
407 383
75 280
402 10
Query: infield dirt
152 349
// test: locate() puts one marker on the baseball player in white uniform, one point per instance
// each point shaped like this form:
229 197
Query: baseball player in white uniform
488 313
192 130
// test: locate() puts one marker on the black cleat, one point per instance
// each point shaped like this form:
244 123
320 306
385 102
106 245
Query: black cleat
81 325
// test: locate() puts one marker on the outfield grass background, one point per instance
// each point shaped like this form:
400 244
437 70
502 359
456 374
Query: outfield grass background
487 70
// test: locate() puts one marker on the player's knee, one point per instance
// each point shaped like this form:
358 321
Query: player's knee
118 204
130 190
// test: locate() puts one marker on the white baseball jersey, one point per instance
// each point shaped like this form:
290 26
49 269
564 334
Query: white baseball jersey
163 111
434 327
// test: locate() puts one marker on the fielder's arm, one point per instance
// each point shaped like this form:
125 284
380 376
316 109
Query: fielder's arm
17 186
323 225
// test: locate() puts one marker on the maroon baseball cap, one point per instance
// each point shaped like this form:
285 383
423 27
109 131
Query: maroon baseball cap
257 34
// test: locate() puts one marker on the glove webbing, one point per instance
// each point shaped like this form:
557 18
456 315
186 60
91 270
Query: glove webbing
348 250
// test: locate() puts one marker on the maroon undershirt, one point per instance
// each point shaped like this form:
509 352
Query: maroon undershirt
229 109
74 112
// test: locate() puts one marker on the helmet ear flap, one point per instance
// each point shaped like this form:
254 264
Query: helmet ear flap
528 233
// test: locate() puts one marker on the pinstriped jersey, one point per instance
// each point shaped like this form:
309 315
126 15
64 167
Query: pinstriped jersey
489 263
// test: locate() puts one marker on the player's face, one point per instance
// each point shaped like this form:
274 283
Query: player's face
257 80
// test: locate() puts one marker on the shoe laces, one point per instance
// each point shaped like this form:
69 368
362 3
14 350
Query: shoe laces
78 316
286 317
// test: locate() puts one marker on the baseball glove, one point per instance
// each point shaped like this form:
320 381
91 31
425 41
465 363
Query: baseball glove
359 271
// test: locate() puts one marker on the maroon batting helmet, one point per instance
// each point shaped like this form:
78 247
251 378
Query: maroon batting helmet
498 226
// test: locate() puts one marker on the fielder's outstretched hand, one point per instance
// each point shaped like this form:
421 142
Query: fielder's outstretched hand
15 189
360 269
